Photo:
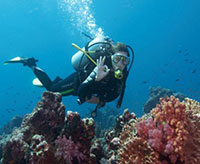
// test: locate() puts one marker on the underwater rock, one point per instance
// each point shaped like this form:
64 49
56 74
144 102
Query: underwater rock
112 135
15 122
47 119
103 124
155 95
97 150
80 130
115 143
3 140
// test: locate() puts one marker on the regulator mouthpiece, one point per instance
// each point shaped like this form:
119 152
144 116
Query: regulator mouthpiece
119 74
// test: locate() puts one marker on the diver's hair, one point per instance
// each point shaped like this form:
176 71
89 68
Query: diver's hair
119 47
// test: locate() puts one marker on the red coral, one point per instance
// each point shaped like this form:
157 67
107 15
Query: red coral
67 149
165 130
169 134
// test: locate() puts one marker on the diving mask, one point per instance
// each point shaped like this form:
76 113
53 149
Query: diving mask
117 57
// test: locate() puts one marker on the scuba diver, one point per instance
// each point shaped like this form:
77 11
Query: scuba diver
100 77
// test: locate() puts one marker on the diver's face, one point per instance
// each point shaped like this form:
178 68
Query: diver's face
120 60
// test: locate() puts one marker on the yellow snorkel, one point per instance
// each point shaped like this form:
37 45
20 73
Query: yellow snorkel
85 52
118 73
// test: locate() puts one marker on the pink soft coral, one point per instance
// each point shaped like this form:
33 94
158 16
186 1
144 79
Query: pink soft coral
165 130
67 149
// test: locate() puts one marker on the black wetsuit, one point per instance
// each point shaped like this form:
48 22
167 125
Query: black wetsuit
83 84
67 86
106 89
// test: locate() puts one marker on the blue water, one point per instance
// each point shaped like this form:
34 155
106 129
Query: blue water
164 35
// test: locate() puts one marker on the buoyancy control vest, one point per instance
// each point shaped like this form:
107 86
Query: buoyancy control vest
99 46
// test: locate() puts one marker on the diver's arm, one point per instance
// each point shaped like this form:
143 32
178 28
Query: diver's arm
99 72
85 89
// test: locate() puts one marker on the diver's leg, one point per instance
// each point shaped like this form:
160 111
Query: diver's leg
43 77
65 87
31 63
68 86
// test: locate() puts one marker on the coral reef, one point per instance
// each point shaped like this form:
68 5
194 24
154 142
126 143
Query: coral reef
169 134
103 124
192 145
97 150
15 122
7 129
165 131
68 150
46 134
113 136
155 95
137 151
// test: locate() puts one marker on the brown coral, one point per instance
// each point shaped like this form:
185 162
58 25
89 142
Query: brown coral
192 145
137 151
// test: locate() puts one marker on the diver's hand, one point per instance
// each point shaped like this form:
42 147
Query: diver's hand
93 100
102 70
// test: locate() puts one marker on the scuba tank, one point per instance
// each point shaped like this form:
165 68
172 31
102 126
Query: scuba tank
95 48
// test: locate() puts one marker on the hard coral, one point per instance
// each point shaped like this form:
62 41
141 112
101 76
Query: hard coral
137 151
41 151
14 151
81 130
34 141
192 145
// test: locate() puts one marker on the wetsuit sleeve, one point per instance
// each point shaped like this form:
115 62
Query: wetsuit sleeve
86 88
